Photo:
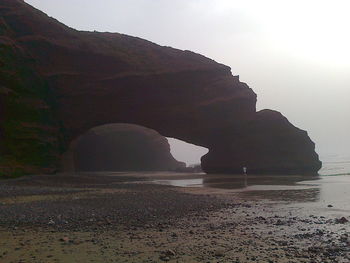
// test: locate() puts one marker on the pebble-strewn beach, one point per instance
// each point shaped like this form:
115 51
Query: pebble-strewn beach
120 217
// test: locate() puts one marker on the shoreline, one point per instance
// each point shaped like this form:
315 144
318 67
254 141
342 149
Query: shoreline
127 218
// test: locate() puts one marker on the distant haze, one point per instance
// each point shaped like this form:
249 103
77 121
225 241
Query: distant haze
185 152
294 54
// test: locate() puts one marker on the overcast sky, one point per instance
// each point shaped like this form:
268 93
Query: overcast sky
294 54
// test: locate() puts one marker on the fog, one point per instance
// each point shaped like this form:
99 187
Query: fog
294 54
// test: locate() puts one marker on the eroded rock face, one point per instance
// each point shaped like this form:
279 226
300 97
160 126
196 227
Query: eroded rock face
94 79
267 134
124 147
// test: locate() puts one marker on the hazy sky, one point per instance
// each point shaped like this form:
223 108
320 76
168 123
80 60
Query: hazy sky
294 54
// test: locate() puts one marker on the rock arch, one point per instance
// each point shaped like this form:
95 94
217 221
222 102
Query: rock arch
79 80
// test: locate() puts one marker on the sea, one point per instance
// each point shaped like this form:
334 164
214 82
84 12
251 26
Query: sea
335 164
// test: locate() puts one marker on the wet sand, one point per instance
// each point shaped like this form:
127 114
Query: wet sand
167 217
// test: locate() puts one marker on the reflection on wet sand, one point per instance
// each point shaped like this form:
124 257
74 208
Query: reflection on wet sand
306 191
242 182
256 182
273 187
276 188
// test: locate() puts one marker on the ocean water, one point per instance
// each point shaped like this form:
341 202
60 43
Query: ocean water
335 164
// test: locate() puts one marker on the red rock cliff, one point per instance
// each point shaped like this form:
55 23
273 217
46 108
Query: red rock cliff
101 78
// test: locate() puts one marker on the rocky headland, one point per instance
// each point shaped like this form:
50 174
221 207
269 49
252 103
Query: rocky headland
56 83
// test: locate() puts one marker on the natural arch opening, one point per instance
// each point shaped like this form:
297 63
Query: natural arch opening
130 147
188 153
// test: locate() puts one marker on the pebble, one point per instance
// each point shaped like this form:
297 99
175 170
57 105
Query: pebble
341 220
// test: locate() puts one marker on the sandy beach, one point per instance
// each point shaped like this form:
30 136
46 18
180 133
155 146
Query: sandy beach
169 217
